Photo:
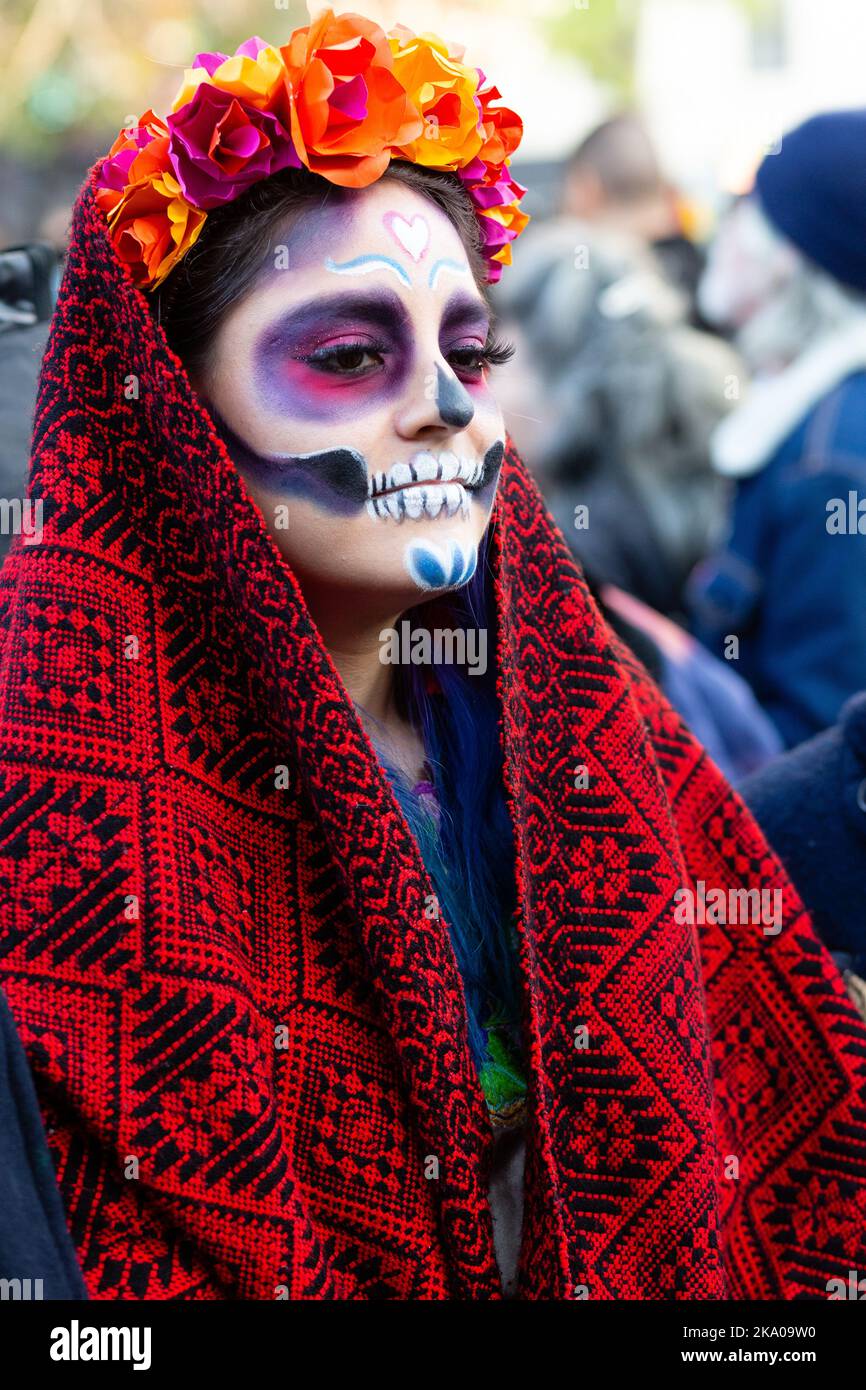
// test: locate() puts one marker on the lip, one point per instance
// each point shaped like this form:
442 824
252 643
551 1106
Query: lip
410 487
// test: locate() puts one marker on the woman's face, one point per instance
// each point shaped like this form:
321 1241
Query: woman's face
351 388
749 264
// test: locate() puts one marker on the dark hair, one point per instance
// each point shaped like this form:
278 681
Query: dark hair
471 858
236 239
621 153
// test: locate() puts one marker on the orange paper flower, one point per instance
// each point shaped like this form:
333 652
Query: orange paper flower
503 129
443 89
151 223
347 107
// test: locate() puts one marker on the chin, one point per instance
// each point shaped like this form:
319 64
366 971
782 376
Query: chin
438 558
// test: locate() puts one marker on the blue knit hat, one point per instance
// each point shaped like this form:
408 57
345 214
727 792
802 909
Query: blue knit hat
813 189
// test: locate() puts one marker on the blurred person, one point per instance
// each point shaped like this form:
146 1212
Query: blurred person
625 395
37 1255
308 935
811 805
715 702
614 181
29 279
788 274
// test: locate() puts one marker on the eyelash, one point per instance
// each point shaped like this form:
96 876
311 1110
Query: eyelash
494 352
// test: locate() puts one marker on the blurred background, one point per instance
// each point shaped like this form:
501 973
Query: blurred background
716 80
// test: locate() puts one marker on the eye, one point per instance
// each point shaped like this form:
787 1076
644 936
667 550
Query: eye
468 361
473 360
346 359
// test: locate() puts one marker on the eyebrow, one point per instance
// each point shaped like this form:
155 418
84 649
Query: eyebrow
446 263
382 308
363 265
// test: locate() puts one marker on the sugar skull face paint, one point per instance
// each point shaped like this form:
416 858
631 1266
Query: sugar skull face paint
435 565
413 236
334 479
352 390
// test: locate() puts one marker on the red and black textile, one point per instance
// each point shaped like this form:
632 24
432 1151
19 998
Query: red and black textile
248 1037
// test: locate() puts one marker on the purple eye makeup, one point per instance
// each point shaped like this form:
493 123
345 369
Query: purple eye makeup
326 360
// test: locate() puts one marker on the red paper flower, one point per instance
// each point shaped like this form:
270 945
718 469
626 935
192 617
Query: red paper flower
347 107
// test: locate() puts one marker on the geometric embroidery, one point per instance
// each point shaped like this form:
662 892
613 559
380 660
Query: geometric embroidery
232 979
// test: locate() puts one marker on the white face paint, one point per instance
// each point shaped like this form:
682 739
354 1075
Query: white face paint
353 391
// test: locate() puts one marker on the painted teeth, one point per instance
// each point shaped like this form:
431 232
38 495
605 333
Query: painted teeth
450 466
401 474
453 494
434 498
416 502
391 494
427 468
413 502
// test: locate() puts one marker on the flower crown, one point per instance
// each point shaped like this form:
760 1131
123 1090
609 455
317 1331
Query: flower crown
342 98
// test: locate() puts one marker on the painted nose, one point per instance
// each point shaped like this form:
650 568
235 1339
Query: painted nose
453 401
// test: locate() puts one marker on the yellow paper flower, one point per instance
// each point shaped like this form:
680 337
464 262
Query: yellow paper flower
443 89
253 77
510 216
513 220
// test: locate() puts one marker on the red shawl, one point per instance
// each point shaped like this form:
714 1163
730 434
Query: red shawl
248 1037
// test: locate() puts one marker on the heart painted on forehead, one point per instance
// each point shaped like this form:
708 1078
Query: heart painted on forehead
413 236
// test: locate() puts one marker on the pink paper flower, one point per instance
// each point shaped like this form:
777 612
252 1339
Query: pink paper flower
219 145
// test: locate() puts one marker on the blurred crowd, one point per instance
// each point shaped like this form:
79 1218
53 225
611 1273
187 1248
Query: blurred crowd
696 418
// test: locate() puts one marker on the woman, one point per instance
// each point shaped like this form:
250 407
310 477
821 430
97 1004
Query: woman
788 275
827 776
306 913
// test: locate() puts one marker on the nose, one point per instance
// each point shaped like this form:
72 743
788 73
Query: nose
435 405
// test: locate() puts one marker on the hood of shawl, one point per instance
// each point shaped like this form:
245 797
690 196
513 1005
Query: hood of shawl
138 482
132 473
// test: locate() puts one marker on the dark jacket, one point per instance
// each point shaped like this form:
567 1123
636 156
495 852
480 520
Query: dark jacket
811 805
794 593
35 1244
